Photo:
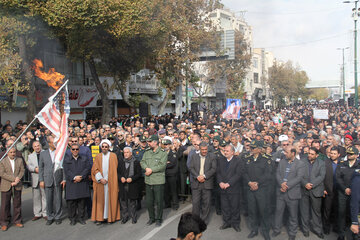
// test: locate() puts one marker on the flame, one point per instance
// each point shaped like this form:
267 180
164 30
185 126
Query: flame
52 78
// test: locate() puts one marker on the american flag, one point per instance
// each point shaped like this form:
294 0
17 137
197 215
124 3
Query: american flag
50 117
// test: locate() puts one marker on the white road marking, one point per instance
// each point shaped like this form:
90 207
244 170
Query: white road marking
166 222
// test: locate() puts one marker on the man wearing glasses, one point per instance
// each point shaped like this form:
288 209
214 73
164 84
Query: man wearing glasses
106 205
76 170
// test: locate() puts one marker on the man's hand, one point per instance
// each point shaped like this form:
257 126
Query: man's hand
129 180
227 185
354 228
348 191
13 184
42 184
201 179
222 185
103 181
148 171
325 193
123 180
308 186
253 186
63 183
36 170
284 187
78 178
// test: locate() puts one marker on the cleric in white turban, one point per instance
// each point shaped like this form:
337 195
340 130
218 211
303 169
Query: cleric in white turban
106 206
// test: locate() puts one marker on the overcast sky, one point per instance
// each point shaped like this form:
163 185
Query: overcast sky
307 32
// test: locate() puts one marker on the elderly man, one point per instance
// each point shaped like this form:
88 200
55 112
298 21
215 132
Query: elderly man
39 198
228 175
76 169
154 164
11 171
129 177
106 205
52 181
203 169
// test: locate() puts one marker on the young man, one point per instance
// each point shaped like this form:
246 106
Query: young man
190 227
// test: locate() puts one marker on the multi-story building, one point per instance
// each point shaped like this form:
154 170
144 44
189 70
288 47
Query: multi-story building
256 87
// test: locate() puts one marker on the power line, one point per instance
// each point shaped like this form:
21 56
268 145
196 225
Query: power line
295 13
308 42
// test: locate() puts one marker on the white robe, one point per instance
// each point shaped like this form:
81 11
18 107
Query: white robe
98 177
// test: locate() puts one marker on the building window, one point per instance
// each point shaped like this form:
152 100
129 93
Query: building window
256 78
255 62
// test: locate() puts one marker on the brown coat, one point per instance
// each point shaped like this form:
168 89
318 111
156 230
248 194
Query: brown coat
98 199
7 175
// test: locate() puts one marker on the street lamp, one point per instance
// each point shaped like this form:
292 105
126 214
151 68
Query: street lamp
355 16
343 71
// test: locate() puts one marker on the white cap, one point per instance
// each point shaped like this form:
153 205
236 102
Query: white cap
283 138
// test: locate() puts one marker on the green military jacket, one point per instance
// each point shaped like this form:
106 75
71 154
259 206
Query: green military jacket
156 161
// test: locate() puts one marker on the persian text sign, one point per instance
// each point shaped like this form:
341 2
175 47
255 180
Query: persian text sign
83 96
321 114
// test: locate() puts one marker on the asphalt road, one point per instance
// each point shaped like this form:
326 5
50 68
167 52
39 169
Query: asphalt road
38 230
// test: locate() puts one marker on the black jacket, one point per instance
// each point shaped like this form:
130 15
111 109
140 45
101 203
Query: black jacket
344 174
229 173
133 188
73 168
172 165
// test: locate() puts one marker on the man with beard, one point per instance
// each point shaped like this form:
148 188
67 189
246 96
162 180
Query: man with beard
330 193
312 193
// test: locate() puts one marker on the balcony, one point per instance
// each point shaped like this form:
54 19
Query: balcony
144 82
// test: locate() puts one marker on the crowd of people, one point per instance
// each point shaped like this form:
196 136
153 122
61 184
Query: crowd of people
273 167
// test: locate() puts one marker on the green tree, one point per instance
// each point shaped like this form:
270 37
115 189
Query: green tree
319 93
287 81
185 31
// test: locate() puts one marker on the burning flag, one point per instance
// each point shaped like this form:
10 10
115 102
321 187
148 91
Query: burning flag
52 78
56 112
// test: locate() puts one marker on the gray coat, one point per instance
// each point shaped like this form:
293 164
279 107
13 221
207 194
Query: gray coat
46 171
209 170
294 177
316 177
31 165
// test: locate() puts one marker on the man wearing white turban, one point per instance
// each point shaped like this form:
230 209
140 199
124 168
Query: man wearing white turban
106 205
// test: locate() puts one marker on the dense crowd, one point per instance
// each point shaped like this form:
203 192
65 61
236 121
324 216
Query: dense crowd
271 166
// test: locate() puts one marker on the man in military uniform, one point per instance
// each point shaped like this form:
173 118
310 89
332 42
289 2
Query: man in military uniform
154 164
257 176
171 197
138 153
344 173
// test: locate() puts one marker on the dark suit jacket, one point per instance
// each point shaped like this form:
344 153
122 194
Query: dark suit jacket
72 168
294 177
134 188
329 177
46 170
316 177
8 176
231 174
209 170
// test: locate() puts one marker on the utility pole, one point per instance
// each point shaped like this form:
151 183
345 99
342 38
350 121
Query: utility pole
343 81
355 16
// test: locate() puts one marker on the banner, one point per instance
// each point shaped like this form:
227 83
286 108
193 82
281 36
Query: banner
321 114
83 96
233 107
